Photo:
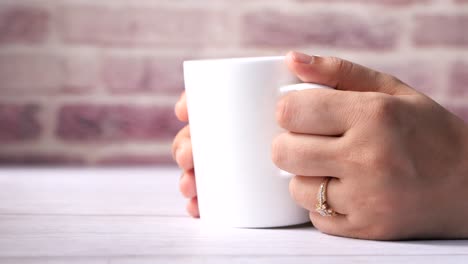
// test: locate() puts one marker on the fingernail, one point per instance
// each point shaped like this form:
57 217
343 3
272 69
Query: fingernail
302 58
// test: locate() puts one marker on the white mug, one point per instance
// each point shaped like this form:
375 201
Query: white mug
231 107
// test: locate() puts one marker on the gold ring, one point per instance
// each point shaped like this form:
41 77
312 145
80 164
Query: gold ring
322 207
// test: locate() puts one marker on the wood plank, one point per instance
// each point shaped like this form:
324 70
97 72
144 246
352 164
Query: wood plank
297 260
118 191
127 216
55 260
245 260
112 236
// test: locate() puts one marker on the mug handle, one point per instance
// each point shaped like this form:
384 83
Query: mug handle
298 87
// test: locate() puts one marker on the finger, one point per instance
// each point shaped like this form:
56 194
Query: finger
337 225
187 184
192 207
184 157
304 191
307 155
184 133
181 108
182 149
319 111
343 75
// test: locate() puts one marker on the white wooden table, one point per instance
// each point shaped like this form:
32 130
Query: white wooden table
137 216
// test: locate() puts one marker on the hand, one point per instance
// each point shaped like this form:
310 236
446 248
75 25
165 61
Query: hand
182 154
398 160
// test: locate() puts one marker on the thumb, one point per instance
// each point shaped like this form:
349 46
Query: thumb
343 75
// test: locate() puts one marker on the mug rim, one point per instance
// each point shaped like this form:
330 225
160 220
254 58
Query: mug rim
238 60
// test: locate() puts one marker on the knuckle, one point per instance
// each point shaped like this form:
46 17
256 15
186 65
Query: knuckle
175 145
293 188
343 67
376 158
181 135
364 154
351 151
382 102
387 80
285 111
183 186
278 151
384 108
336 62
391 80
187 185
383 158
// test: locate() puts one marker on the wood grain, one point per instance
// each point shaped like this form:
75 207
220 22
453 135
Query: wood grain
127 216
245 260
119 191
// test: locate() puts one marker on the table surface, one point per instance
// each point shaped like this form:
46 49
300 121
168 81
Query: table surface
125 215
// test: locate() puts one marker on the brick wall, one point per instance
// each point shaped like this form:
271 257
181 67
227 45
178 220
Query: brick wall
94 82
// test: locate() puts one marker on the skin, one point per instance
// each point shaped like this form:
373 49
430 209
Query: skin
398 160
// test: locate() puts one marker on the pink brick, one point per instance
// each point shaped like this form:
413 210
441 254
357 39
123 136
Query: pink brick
87 122
441 30
461 1
136 160
130 26
18 122
459 80
24 73
23 24
45 74
143 74
39 159
81 74
342 30
30 73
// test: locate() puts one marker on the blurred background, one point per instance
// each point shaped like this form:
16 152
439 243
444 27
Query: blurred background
86 82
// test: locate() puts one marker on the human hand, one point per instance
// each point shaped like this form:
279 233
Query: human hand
182 154
398 160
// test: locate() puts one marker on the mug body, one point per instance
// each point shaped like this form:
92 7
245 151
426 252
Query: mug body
231 107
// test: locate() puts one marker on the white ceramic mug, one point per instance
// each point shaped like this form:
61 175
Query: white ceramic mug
231 107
